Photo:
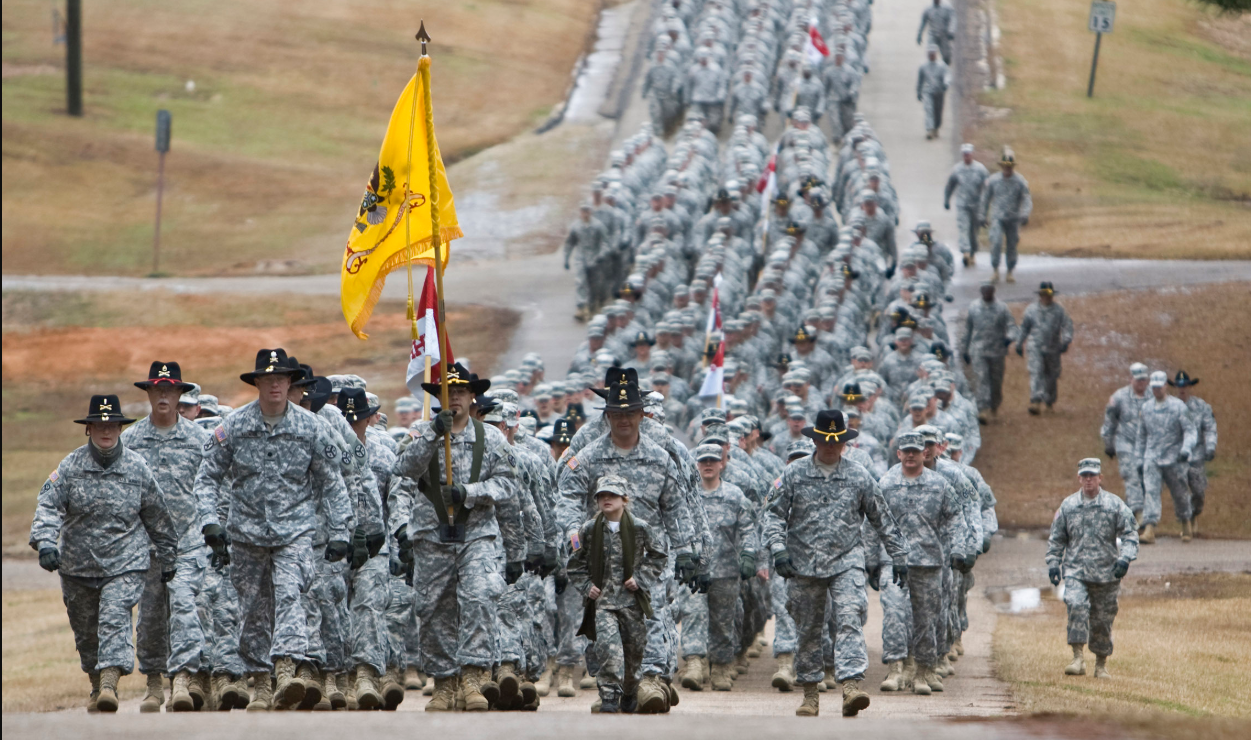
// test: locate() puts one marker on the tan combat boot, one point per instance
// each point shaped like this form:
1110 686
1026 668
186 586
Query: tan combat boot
509 683
392 688
1101 667
741 663
349 690
947 669
289 689
670 691
909 674
155 695
413 680
1138 519
1186 532
443 697
932 679
428 689
854 698
1035 408
653 696
1011 278
1148 534
179 696
1194 527
367 694
784 678
721 677
242 697
564 681
894 677
753 651
472 679
95 692
543 686
958 646
107 700
262 692
920 686
336 684
829 682
312 685
692 673
199 688
811 706
223 692
994 276
1078 666
587 682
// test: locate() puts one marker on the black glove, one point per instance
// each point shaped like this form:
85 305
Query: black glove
404 545
890 272
957 562
49 559
442 422
1020 349
1210 456
562 583
360 550
374 543
985 545
566 264
550 564
168 575
969 561
1025 221
1120 569
965 356
782 564
1007 342
702 582
454 494
397 568
337 550
513 571
1053 575
746 565
875 578
1183 457
533 563
1064 348
684 568
1110 451
221 560
900 575
946 206
214 537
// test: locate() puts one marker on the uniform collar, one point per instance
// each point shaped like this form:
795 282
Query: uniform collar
180 430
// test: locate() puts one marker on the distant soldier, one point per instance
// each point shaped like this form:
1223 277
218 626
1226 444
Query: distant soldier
842 92
1120 435
1166 441
1005 207
941 20
965 182
988 330
1205 444
1052 331
590 238
706 88
932 81
1083 551
662 88
97 516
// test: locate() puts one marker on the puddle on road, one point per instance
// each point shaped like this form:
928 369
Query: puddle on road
1022 599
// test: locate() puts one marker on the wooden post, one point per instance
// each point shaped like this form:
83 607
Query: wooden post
74 57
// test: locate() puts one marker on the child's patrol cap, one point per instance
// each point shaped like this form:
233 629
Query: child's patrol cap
613 484
708 452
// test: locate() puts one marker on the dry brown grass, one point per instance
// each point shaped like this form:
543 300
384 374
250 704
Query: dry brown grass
96 347
1032 461
1158 163
1182 648
271 149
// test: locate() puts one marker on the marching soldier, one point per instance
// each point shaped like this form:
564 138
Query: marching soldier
1166 442
1120 437
1005 207
965 182
591 239
1053 331
1205 442
988 330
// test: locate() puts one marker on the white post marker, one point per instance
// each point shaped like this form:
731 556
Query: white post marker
1102 18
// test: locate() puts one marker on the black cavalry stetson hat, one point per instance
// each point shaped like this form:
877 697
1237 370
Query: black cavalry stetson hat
305 377
622 397
270 362
165 372
318 393
1182 380
830 427
105 409
458 374
355 405
616 375
562 432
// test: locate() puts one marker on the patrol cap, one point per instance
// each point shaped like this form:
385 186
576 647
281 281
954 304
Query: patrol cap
208 405
528 423
861 353
595 331
191 396
903 332
954 441
966 148
910 441
930 433
1089 466
918 401
1159 379
614 484
716 435
407 403
801 447
510 413
712 416
1138 371
708 452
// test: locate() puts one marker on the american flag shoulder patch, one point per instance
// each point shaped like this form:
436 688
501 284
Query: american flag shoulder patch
54 476
573 462
778 483
220 433
575 541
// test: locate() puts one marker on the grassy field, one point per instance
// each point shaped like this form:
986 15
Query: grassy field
272 146
103 346
1032 461
1182 654
1158 163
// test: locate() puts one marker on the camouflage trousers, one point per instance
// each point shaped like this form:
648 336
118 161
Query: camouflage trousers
403 629
967 226
896 617
221 627
1197 480
966 584
369 595
948 622
830 631
515 622
756 602
810 598
692 615
724 621
1091 607
713 113
1129 468
542 626
932 103
455 587
1004 236
570 647
169 636
620 640
988 371
1044 371
271 582
925 596
326 609
784 638
664 111
99 612
844 114
660 658
1154 478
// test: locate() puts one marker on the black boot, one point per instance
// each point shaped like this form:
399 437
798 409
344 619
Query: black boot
609 704
629 704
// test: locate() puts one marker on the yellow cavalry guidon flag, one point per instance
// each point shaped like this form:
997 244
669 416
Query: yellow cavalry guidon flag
397 191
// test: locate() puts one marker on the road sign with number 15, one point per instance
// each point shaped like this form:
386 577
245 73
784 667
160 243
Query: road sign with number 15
1102 16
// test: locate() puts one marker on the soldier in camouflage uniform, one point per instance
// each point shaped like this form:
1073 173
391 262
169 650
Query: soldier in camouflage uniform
1005 207
932 81
812 525
965 182
988 330
271 465
941 20
616 567
1205 442
97 517
662 88
453 544
170 638
1166 442
1083 552
1120 436
590 237
1053 331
